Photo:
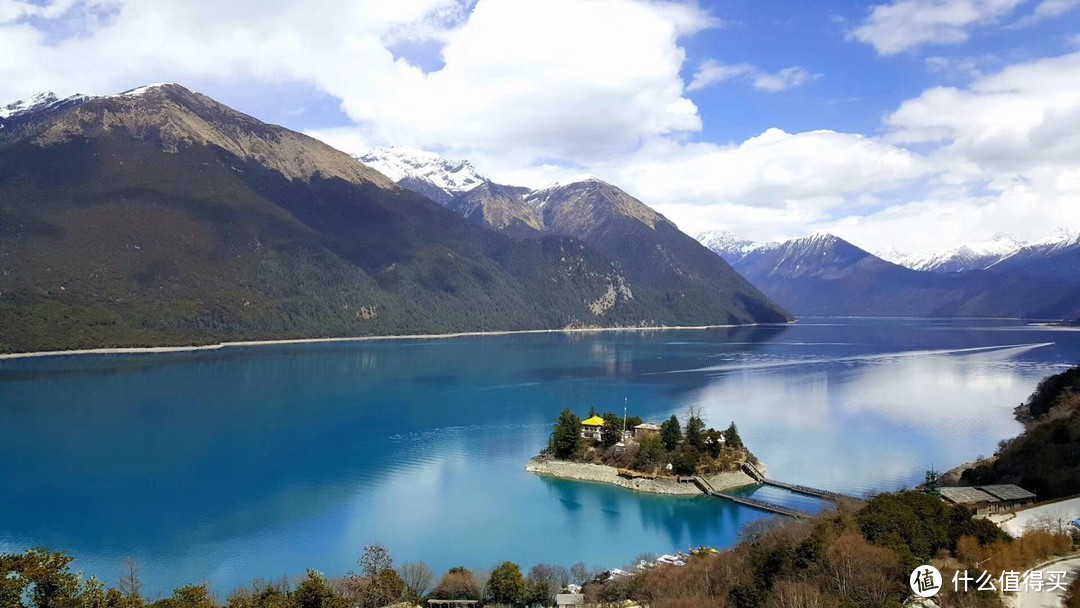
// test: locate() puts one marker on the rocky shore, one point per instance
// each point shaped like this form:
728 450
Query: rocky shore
581 471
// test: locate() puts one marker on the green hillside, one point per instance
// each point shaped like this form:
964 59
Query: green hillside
170 219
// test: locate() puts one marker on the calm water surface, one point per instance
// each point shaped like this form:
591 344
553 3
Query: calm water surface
229 465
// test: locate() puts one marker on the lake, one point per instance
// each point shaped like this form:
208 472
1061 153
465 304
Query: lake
228 465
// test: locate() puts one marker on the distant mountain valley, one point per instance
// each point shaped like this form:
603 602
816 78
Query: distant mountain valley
826 275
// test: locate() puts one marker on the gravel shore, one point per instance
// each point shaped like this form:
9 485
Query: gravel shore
581 471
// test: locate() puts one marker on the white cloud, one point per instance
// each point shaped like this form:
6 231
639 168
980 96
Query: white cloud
712 72
1022 117
786 78
533 78
997 155
773 170
13 10
1006 148
906 24
533 90
1047 9
962 68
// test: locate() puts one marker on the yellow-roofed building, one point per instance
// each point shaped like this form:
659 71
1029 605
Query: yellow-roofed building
591 427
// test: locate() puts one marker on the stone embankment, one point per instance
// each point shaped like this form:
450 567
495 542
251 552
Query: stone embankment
581 471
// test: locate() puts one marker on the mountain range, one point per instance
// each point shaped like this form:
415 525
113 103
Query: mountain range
679 273
825 275
978 255
159 216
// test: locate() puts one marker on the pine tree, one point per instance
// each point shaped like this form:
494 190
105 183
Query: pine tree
731 437
695 431
566 437
671 433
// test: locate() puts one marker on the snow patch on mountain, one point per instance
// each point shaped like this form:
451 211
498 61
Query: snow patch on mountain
39 102
539 198
573 179
47 100
398 163
140 91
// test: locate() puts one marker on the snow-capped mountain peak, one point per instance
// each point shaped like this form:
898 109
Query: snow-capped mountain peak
820 237
21 106
726 240
1060 236
398 163
976 255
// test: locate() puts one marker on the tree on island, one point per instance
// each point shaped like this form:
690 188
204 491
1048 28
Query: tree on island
731 437
611 433
714 442
671 433
695 429
685 460
566 438
650 454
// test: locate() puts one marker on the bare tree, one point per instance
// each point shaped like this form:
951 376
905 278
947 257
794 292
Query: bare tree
375 559
796 594
457 584
418 578
130 585
550 578
579 573
695 411
648 558
482 577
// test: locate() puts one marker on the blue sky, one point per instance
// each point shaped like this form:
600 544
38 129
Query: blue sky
873 120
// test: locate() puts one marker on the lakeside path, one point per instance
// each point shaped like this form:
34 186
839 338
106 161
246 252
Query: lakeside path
581 471
135 350
1045 598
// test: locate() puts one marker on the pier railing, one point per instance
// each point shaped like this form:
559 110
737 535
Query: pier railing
760 477
708 489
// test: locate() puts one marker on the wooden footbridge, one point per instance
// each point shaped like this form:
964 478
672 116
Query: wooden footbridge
754 503
760 477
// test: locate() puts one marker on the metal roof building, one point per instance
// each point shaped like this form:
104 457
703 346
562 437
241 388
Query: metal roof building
988 499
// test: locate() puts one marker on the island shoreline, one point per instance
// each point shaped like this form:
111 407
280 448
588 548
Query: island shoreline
143 350
600 473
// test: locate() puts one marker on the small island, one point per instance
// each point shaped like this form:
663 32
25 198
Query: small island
658 458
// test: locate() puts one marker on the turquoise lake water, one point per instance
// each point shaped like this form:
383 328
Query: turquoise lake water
224 466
